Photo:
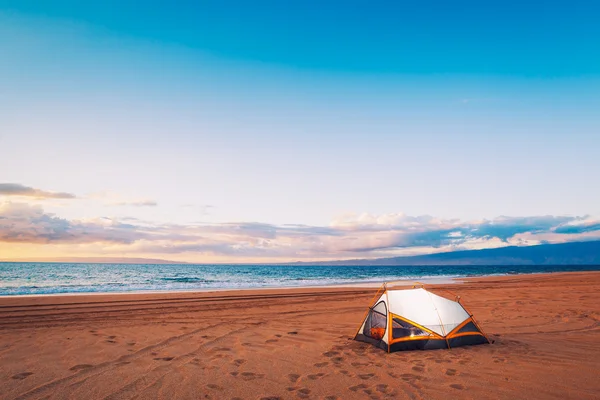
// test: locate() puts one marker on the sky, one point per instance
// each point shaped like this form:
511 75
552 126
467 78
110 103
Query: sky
268 131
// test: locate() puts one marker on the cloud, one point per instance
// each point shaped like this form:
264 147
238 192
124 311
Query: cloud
578 227
507 227
24 223
110 198
138 203
16 189
349 236
200 206
409 231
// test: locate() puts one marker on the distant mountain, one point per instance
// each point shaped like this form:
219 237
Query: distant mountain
574 253
97 260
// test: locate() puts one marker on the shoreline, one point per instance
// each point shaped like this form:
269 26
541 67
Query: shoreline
429 280
289 291
357 285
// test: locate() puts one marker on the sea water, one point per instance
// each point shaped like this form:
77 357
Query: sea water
48 278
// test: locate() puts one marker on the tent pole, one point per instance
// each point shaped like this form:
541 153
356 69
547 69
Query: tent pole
389 317
441 322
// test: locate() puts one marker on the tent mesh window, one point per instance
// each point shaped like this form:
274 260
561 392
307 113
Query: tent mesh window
376 322
402 329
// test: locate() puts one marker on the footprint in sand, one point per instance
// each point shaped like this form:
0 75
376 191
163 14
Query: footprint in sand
239 361
410 377
79 367
314 377
294 377
331 353
249 376
271 398
382 387
214 387
366 376
271 341
164 358
370 393
358 387
359 364
418 368
22 375
451 372
331 398
196 362
303 393
292 333
457 386
321 364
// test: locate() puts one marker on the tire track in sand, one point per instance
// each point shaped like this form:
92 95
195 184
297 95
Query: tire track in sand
155 375
87 373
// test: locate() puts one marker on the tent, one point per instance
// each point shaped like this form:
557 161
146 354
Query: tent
411 319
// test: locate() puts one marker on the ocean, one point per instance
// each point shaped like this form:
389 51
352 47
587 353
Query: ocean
50 278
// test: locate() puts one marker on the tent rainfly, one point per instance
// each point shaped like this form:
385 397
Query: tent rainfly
416 319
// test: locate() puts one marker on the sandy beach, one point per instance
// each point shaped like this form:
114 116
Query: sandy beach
288 344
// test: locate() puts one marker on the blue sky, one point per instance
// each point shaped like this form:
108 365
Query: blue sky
202 115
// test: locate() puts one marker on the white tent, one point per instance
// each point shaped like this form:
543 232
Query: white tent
408 319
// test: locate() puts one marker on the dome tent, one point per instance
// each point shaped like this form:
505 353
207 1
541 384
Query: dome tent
411 319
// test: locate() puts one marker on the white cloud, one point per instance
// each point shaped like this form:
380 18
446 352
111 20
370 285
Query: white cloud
113 199
136 203
350 236
16 189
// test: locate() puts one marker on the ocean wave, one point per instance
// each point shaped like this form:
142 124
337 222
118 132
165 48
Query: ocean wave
38 278
186 280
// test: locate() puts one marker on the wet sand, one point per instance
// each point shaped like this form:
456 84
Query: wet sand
292 344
